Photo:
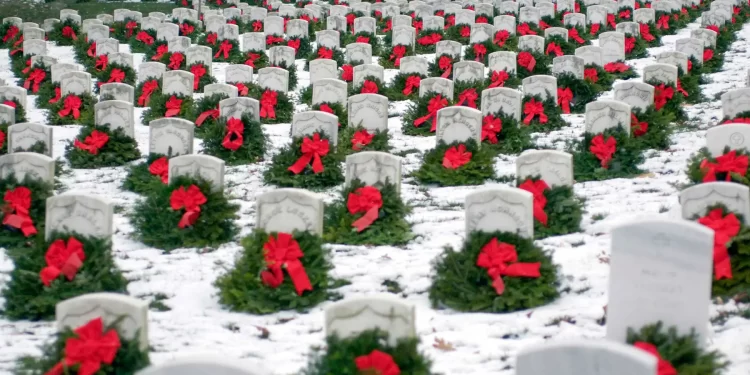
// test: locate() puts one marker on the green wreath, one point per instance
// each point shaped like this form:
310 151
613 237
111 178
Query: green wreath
422 49
11 238
254 145
683 351
354 90
157 107
459 87
691 83
153 48
19 109
551 21
204 80
196 29
511 82
624 163
696 174
27 298
349 38
87 111
129 359
120 30
418 109
45 94
738 117
674 105
639 50
470 54
435 70
582 34
279 174
658 132
20 63
104 75
551 109
339 110
512 138
604 79
155 222
136 46
454 33
140 180
120 149
339 355
56 34
292 74
626 75
305 47
714 64
235 55
4 28
395 90
241 289
206 104
568 47
47 78
542 65
384 59
656 33
338 56
476 172
139 91
81 48
564 211
346 146
390 228
460 284
284 108
305 95
584 91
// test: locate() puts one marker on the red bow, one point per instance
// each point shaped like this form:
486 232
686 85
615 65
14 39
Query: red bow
257 26
456 157
465 31
573 34
501 37
664 367
591 75
543 25
145 38
101 62
251 57
312 150
388 26
491 126
149 87
365 200
268 102
361 139
326 108
429 40
224 49
211 38
663 22
468 98
283 252
481 19
64 259
681 90
130 26
412 82
176 60
603 150
57 96
347 72
160 51
91 52
16 211
534 108
524 29
554 48
71 105
36 77
10 103
646 33
174 106
434 105
213 113
625 14
501 259
271 39
377 362
198 71
93 142
616 67
10 33
728 163
233 139
537 188
450 21
725 228
2 138
69 33
629 44
526 60
713 28
479 52
445 64
350 20
362 39
498 78
611 21
662 93
160 168
191 200
369 87
89 350
638 128
564 97
417 25
396 55
242 90
186 29
708 54
116 75
325 53
294 43
594 28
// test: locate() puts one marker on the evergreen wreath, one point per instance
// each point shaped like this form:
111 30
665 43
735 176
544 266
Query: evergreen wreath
305 95
20 64
157 107
85 53
283 107
144 90
207 109
378 88
581 92
279 174
85 103
157 223
742 117
256 59
100 146
672 100
620 70
550 21
563 210
690 83
623 164
340 355
532 119
36 77
713 64
469 93
302 46
243 288
189 28
114 73
11 235
336 109
335 54
353 139
201 80
389 56
443 66
147 177
142 42
47 95
10 34
650 34
529 28
426 41
250 147
578 35
459 33
400 87
700 167
635 47
65 33
125 30
159 52
537 62
566 46
129 358
505 41
480 51
459 283
389 228
476 171
501 78
420 117
682 352
292 69
3 136
27 297
596 74
650 129
504 135
228 50
361 37
16 104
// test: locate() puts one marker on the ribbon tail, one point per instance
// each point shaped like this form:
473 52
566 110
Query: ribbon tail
300 164
540 215
499 285
188 219
366 220
722 265
203 116
447 72
48 275
299 277
317 164
523 270
71 267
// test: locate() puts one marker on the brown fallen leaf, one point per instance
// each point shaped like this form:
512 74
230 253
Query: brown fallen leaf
441 344
264 332
647 175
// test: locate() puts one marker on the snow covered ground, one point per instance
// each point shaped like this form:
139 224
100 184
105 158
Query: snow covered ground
482 343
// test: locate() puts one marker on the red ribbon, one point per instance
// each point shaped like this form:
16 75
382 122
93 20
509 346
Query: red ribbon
283 252
294 43
681 90
611 21
11 33
553 48
377 362
713 28
429 40
89 349
347 72
573 34
629 44
16 211
271 39
116 75
537 188
130 26
62 258
365 200
369 87
662 94
564 97
213 113
625 14
198 71
242 90
361 139
501 259
412 82
268 102
591 75
149 87
93 142
638 128
445 64
524 29
664 367
233 139
498 78
325 53
191 199
145 38
160 51
456 157
725 228
92 50
160 168
526 60
501 37
434 105
312 151
224 49
388 26
479 52
396 54
603 150
594 28
173 106
71 105
257 26
176 60
186 29
69 33
728 163
36 77
450 20
491 127
534 108
543 25
468 98
417 25
646 33
101 62
57 96
663 22
708 54
616 67
362 39
481 19
211 38
465 31
251 57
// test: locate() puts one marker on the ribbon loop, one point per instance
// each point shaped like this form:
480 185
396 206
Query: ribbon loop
93 142
174 106
456 157
725 229
564 97
62 259
233 139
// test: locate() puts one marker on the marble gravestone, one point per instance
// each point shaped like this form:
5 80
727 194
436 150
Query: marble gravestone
732 136
28 164
207 167
171 136
602 115
27 134
500 208
502 100
369 111
84 214
585 357
289 210
238 107
458 124
351 316
374 168
436 85
554 167
638 95
307 123
115 114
